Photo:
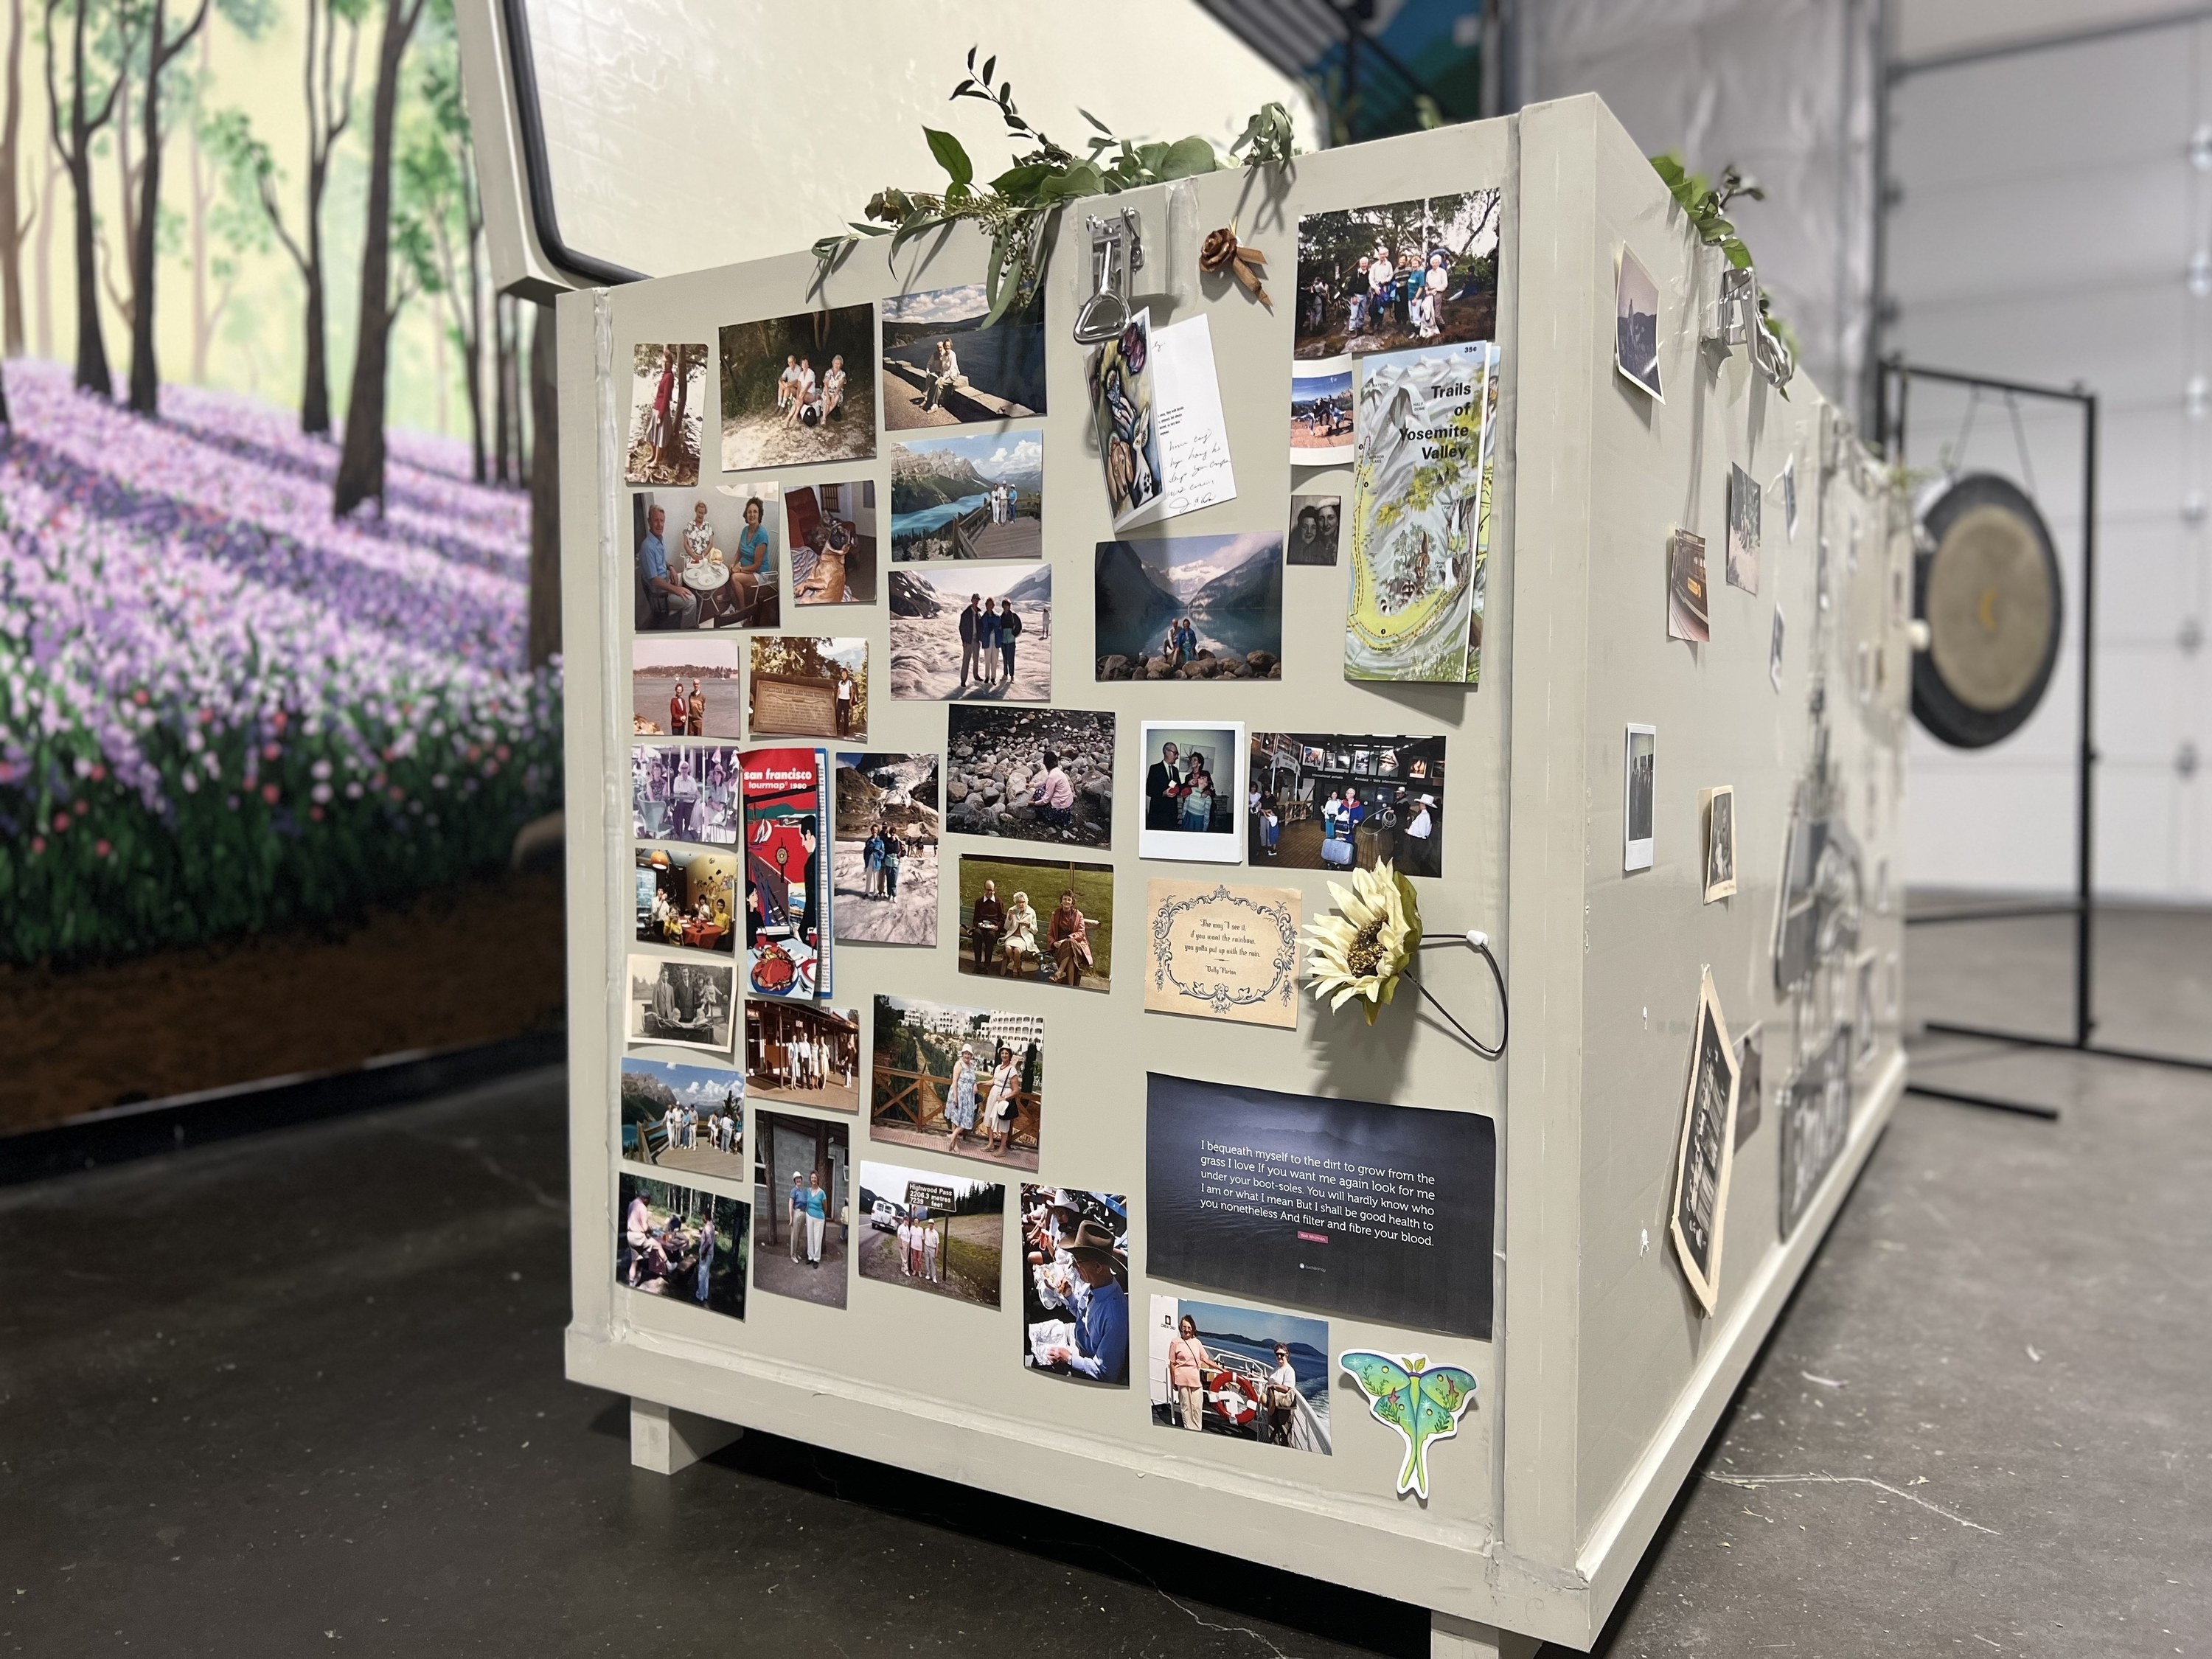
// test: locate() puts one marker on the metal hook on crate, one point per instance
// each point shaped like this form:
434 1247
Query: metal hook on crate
1117 249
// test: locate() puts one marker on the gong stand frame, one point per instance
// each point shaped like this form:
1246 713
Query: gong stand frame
1897 377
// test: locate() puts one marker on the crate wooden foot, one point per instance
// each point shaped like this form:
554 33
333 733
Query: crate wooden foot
1462 1638
667 1441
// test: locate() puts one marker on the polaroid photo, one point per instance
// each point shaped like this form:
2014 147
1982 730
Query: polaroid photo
1321 412
800 389
1636 803
688 1119
668 407
1636 318
1075 1284
1717 808
833 542
1743 530
682 1244
1195 805
944 1234
685 1003
1316 524
1688 617
963 1082
977 496
1240 1372
802 1214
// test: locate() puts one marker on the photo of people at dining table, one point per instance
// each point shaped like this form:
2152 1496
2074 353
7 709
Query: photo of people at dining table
689 1005
706 558
687 897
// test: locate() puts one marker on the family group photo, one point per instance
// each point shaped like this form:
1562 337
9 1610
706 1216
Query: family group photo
681 1244
1420 272
686 791
687 896
682 685
885 858
1189 607
691 1119
981 633
1194 807
803 1053
802 1222
1321 800
691 1005
1240 1372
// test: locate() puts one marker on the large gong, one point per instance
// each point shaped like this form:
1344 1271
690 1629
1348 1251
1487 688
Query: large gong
1987 585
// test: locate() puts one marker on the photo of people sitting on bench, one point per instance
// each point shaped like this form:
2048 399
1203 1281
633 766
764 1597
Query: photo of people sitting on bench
942 367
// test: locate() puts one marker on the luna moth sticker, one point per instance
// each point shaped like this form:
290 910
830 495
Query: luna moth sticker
1423 1405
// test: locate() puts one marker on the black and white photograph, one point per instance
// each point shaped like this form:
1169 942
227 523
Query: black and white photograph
688 1119
687 897
1866 1034
1716 809
1075 1284
1316 522
681 1244
1324 801
1194 797
945 365
833 542
1774 651
1750 1069
802 1221
686 791
885 864
1030 774
803 1053
971 632
1744 503
1689 599
925 1230
1639 777
1636 318
800 389
1400 274
963 1082
667 403
1377 1211
1789 497
1706 1152
689 1005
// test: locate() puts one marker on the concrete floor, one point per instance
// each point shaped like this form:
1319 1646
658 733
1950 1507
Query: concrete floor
302 1394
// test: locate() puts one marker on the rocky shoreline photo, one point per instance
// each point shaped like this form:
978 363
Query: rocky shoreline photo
996 757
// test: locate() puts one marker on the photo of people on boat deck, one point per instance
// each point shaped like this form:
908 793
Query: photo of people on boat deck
943 366
1075 1284
691 1005
682 1243
1238 1371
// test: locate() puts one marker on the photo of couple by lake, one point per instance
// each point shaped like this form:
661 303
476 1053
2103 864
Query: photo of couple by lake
686 685
973 632
800 389
1190 607
978 496
967 1081
942 367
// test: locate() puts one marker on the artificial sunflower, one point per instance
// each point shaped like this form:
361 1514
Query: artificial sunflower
1364 949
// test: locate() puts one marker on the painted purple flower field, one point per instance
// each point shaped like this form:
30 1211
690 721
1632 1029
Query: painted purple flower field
219 710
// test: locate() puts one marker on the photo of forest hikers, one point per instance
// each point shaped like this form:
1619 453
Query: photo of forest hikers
940 1233
681 1244
1423 272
